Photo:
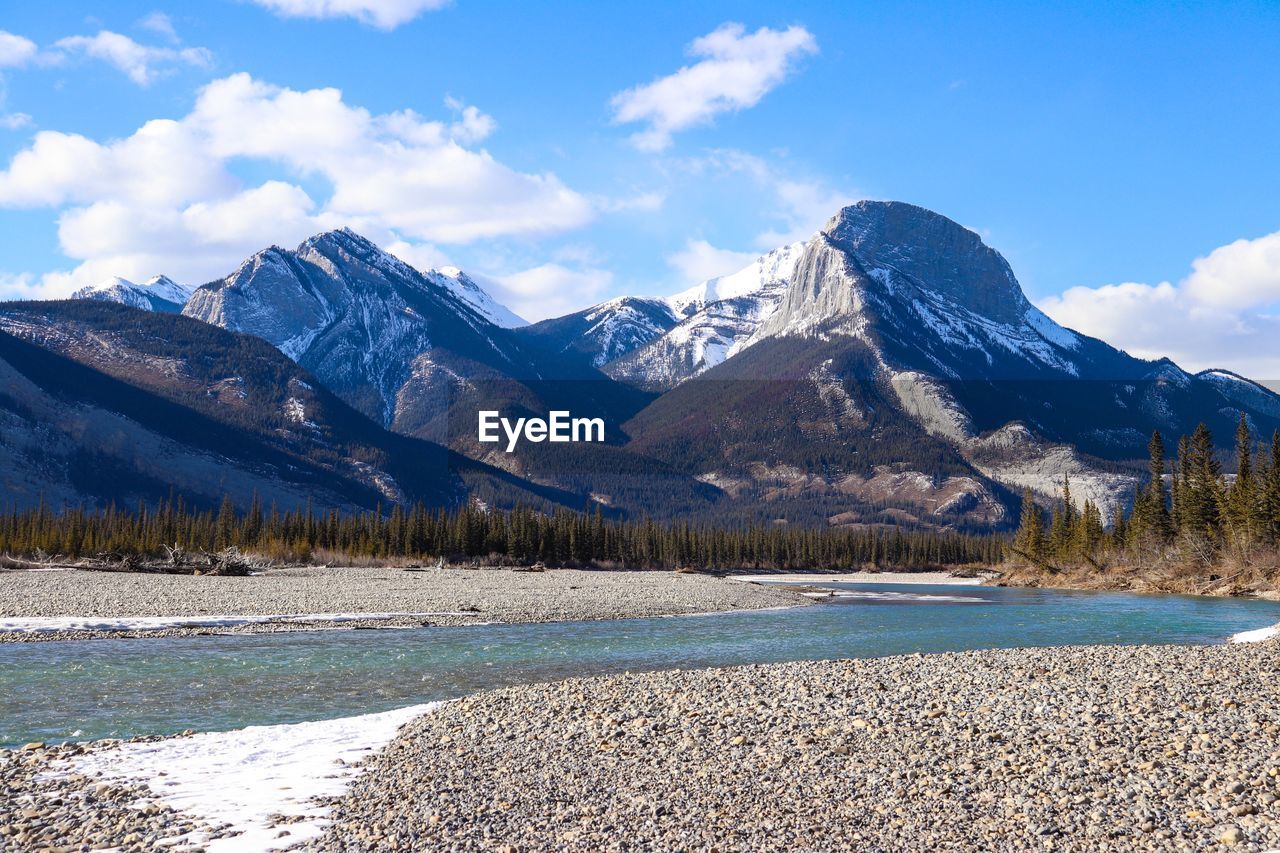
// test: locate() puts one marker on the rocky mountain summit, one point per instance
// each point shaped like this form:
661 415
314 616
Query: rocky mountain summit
891 307
158 293
371 327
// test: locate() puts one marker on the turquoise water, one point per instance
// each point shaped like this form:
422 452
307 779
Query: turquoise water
125 687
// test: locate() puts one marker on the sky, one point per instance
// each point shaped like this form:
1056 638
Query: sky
1122 156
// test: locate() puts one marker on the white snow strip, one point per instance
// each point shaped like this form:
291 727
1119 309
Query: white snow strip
1256 636
245 777
895 578
901 597
46 624
729 612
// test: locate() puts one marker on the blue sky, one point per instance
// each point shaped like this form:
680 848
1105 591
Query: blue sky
1115 153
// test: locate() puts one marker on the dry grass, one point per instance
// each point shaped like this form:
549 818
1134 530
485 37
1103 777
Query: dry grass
1255 574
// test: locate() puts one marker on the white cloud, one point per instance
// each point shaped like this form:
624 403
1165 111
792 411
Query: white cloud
14 121
699 261
167 198
1220 315
161 24
384 14
15 50
471 124
1242 274
736 70
421 256
141 63
548 290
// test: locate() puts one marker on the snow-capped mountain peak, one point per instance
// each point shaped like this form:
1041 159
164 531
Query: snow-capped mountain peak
717 317
158 293
467 289
764 273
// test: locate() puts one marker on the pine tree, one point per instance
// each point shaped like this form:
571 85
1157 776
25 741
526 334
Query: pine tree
1202 490
1029 540
1158 522
1062 528
1269 503
1240 512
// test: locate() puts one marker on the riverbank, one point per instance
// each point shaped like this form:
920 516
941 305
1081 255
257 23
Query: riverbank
1253 581
61 605
1073 748
1078 748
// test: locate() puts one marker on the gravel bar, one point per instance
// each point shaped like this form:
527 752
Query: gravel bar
45 806
1083 748
471 596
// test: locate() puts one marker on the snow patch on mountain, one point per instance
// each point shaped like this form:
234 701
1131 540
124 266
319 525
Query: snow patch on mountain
466 288
931 405
619 326
1243 391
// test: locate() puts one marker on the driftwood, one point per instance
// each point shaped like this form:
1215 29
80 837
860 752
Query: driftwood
229 562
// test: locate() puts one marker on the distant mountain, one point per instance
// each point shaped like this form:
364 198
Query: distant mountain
404 348
376 331
159 293
716 318
902 339
887 371
605 332
102 403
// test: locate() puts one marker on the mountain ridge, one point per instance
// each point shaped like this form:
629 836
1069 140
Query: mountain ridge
887 370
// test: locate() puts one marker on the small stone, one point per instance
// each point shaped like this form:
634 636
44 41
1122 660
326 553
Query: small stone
1231 835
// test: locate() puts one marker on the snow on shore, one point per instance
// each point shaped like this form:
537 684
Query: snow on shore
48 624
931 578
896 597
246 777
1257 635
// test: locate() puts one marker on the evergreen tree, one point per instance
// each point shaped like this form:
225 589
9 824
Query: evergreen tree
1240 510
1158 521
1029 540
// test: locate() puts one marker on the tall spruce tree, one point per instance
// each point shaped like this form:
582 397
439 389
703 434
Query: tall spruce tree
1158 522
1202 488
1239 507
1029 540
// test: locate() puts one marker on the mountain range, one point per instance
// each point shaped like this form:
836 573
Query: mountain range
888 370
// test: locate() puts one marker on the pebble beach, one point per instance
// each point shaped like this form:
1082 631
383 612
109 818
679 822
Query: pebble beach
1086 748
1078 748
33 604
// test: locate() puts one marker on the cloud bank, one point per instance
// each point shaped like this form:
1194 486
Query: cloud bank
383 14
169 199
1223 314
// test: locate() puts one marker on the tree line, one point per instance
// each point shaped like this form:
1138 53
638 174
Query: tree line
470 532
1187 510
